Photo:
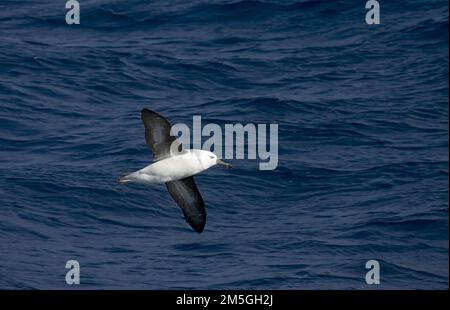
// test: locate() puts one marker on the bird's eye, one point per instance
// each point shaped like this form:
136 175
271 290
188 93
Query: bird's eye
212 157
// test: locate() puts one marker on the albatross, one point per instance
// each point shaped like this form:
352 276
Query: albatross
175 167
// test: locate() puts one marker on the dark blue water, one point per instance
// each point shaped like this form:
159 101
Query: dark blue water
363 143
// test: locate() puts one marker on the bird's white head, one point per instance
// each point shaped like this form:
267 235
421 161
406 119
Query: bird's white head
209 159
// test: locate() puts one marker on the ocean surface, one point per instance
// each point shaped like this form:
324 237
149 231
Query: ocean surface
363 136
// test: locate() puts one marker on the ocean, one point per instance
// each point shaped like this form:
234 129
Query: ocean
362 114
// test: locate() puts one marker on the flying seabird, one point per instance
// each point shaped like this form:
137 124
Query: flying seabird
175 167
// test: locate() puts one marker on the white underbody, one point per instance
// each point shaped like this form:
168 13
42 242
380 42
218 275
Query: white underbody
173 168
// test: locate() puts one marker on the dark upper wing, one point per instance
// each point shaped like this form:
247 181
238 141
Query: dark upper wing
187 196
157 134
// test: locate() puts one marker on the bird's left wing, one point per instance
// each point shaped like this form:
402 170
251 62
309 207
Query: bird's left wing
187 196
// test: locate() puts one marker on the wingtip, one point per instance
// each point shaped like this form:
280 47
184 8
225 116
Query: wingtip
149 113
199 229
197 226
145 110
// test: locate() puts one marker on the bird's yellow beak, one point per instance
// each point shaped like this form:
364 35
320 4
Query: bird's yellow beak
222 163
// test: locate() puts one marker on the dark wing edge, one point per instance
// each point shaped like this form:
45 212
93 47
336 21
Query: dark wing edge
186 195
157 134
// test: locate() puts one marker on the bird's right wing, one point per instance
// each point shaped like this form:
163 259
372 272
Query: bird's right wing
157 134
186 195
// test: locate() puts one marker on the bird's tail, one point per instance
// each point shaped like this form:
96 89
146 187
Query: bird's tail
123 179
